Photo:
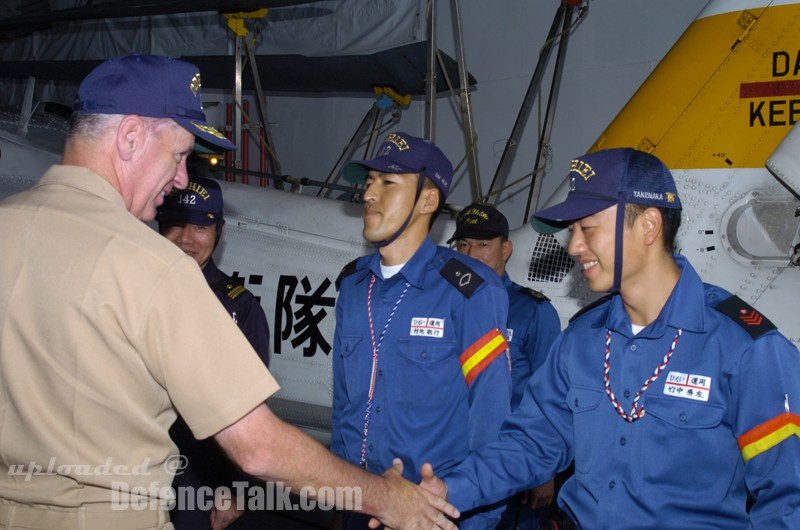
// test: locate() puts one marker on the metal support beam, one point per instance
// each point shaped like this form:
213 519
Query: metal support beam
236 23
430 78
262 111
544 138
503 168
237 106
371 122
466 108
371 126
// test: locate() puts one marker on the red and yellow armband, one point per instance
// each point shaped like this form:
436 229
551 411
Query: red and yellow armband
481 354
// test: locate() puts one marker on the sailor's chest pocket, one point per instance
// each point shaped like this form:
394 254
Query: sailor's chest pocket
587 421
357 363
684 413
683 434
426 371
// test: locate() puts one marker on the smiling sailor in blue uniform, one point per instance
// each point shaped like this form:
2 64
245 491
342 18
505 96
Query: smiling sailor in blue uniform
675 398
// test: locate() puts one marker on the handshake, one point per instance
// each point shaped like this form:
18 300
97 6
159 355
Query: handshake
414 507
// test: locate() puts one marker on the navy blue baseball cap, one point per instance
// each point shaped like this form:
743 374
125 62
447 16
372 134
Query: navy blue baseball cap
604 178
154 86
200 203
403 153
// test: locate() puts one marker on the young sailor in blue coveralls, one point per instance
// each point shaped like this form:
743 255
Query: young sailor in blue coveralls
420 363
675 398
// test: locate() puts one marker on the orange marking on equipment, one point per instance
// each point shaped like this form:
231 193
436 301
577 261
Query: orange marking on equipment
765 89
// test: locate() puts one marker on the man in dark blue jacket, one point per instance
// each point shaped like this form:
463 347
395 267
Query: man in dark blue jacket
482 233
193 219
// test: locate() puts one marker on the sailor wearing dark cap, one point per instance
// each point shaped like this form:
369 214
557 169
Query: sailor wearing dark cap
193 219
482 233
420 364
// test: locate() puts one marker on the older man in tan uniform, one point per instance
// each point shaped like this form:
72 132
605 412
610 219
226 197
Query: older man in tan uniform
106 328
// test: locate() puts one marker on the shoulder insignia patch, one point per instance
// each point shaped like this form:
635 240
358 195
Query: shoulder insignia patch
235 290
589 307
346 271
539 295
229 288
745 315
461 277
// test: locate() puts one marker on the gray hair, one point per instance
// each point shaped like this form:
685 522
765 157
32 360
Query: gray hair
95 126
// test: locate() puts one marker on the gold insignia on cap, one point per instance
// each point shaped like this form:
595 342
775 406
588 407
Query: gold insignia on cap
670 196
582 168
198 189
478 213
210 130
194 84
398 140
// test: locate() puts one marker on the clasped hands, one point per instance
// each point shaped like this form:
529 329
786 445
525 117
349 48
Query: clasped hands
427 504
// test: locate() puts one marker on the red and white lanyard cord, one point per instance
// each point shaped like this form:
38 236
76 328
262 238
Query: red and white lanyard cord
635 413
375 348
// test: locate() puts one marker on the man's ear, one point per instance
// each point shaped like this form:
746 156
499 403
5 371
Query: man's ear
130 136
652 223
508 249
430 199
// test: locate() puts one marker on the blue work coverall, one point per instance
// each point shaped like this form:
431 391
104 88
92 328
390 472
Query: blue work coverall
442 383
720 420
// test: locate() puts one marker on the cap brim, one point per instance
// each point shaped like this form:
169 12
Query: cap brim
356 171
558 217
206 132
546 228
203 147
474 234
191 217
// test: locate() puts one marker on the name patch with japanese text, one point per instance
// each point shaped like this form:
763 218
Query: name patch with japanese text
690 386
427 327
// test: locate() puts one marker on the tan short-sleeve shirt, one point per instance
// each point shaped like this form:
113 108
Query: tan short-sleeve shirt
105 329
